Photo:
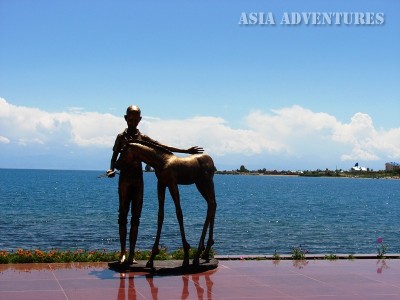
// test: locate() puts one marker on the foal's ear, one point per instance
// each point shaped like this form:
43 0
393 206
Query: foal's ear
123 149
126 147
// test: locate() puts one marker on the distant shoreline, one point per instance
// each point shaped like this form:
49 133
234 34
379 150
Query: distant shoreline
381 174
329 174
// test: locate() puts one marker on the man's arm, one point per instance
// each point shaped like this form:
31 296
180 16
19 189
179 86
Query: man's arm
191 150
111 171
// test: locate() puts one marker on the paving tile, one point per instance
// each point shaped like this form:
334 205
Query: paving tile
16 285
82 284
168 293
317 279
250 292
373 288
25 271
33 295
102 294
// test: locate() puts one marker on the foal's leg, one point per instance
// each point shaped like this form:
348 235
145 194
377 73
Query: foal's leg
161 199
212 207
206 189
173 189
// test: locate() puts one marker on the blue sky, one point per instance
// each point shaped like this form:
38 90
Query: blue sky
275 97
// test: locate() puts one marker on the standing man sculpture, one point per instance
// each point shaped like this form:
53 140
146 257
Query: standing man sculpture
130 185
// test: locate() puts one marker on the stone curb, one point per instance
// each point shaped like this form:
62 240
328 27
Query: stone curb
307 256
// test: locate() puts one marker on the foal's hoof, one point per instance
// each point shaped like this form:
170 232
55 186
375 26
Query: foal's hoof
185 263
150 264
132 261
196 262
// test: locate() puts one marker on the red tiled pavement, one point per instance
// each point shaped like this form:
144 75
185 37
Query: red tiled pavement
314 279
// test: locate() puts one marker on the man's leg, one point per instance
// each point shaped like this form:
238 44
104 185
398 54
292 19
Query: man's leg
137 204
124 200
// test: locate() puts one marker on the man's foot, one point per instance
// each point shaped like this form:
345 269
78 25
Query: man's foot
122 258
132 261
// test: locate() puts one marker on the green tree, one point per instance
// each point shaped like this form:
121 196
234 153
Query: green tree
243 169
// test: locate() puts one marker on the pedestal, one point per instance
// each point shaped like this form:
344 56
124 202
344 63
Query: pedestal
165 267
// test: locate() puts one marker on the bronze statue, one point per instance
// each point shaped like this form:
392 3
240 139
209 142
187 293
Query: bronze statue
130 185
170 171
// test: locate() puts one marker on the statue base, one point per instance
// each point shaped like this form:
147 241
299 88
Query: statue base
165 267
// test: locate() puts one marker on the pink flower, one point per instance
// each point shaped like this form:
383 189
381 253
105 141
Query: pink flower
379 240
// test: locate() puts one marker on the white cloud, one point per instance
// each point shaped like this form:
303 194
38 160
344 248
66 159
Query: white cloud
298 129
292 132
4 140
212 133
26 125
367 142
291 129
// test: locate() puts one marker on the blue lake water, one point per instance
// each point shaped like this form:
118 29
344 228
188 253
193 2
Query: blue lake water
256 214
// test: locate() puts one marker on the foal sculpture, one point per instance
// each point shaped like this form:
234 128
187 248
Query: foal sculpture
171 171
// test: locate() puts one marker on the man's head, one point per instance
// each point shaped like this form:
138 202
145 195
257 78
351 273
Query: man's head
133 108
133 116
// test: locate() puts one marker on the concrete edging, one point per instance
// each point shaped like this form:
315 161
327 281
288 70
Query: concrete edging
331 256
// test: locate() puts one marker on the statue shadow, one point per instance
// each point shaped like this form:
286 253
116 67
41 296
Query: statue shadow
128 290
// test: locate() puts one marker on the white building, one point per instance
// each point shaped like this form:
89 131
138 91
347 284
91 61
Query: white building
358 168
390 166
